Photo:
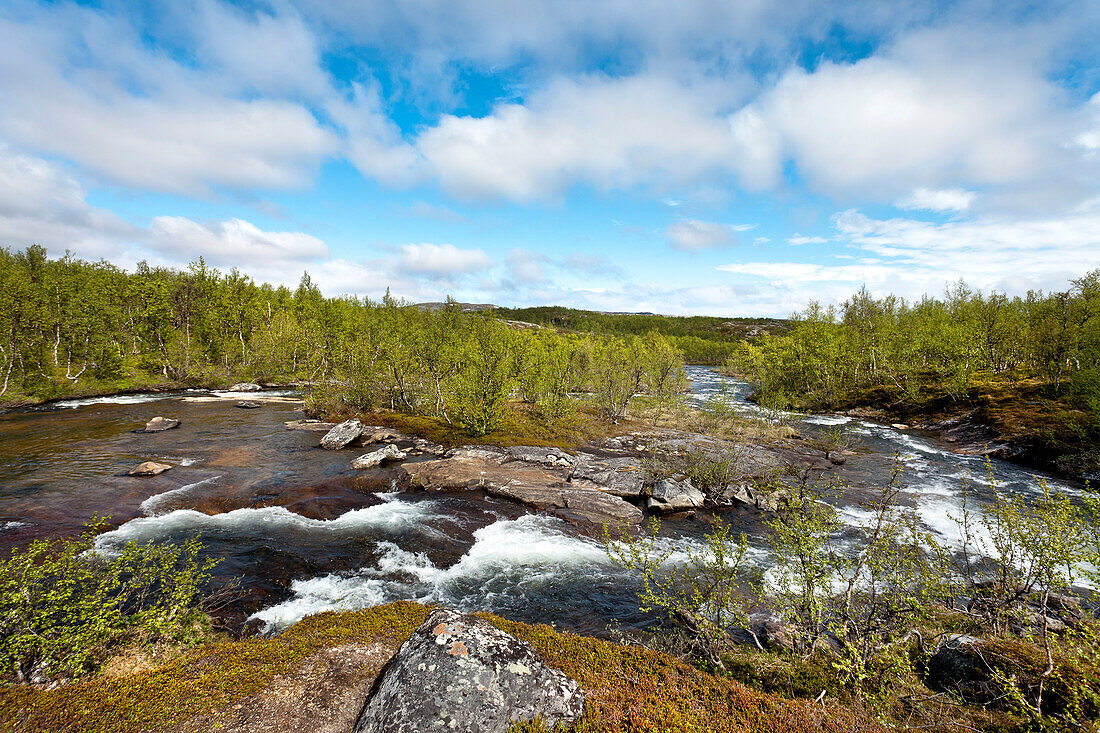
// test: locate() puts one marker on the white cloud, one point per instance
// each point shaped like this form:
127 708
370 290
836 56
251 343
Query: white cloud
442 260
692 235
610 133
798 240
936 109
949 199
913 258
82 84
525 267
233 243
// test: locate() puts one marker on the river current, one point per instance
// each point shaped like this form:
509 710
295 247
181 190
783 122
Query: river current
302 532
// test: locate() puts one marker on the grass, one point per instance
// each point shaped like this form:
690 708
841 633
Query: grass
629 688
522 425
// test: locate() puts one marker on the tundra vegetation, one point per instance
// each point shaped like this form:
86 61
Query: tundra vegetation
73 327
860 610
1029 366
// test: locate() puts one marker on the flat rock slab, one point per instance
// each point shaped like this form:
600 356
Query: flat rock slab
594 506
378 457
316 426
342 434
245 387
472 468
461 673
148 468
249 404
159 424
619 476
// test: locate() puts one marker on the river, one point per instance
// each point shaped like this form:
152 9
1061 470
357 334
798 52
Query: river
302 532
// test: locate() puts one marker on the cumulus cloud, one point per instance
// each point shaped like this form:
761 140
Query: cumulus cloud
609 133
798 240
82 84
692 235
233 243
949 199
936 108
442 260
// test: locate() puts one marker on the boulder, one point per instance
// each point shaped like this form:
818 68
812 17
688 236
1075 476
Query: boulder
618 476
342 434
158 424
380 435
957 666
378 457
249 404
674 496
316 426
427 446
245 387
460 673
148 468
592 506
737 494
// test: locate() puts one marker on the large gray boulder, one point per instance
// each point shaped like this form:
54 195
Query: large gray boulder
675 496
460 673
342 434
377 458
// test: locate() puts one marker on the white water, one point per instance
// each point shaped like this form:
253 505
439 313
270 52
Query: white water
158 503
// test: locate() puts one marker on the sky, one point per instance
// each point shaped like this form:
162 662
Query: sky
731 158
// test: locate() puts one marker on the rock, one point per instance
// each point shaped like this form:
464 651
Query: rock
245 387
478 453
899 426
311 425
836 458
149 468
383 435
737 494
249 404
468 470
771 631
158 424
957 666
376 458
553 457
618 476
342 434
427 446
592 506
460 673
674 496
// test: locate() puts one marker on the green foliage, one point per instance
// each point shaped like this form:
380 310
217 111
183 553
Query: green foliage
63 605
830 356
710 593
486 379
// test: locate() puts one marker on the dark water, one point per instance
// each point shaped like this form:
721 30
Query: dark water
303 532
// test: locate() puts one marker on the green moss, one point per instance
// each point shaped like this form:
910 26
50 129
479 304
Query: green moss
628 688
204 680
521 425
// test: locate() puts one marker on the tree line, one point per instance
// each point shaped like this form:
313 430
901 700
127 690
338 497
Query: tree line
70 326
830 356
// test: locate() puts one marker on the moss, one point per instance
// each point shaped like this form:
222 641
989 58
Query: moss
522 425
631 688
201 681
628 688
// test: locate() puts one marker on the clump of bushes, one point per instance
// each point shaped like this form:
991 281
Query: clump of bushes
64 606
867 601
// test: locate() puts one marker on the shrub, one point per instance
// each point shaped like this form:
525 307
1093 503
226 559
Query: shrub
63 605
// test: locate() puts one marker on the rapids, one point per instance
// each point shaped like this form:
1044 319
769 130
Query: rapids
303 532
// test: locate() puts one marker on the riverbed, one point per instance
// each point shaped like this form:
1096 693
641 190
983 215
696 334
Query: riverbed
302 532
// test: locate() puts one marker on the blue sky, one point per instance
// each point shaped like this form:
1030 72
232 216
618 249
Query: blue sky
727 158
